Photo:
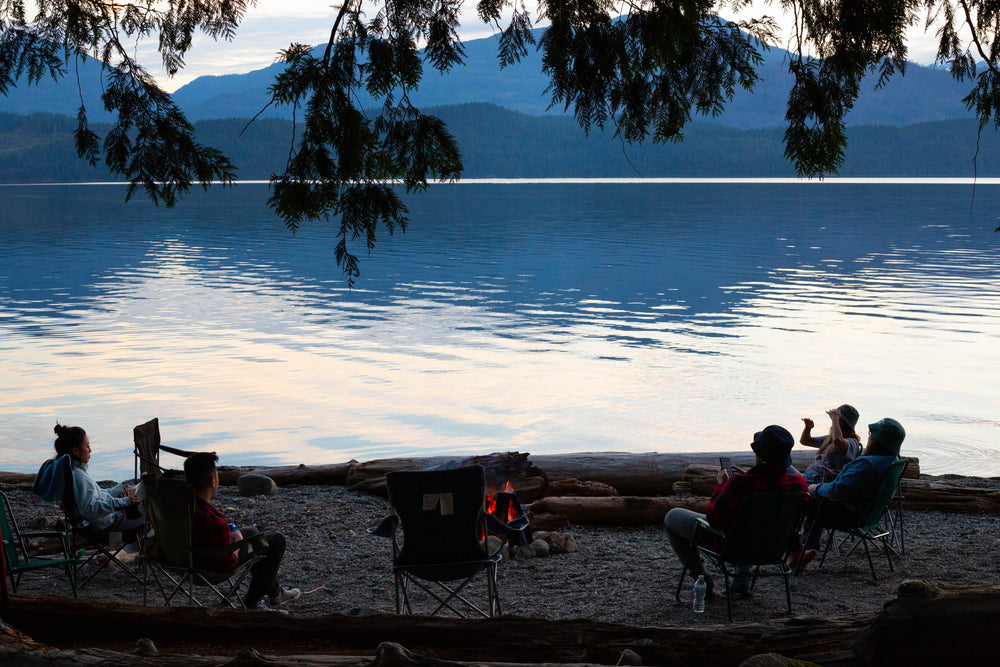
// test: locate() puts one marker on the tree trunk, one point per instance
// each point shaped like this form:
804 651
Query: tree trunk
615 510
334 474
527 481
191 631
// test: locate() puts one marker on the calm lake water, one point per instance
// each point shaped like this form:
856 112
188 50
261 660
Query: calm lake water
538 317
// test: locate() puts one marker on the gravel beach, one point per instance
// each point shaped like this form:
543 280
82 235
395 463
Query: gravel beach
619 574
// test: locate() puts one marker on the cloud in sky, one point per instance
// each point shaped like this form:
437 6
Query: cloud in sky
274 24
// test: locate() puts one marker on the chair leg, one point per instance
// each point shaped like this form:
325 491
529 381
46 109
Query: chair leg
729 595
869 554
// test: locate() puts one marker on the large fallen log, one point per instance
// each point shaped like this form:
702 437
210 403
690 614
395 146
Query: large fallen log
927 624
66 623
527 481
934 624
699 479
615 510
334 474
643 474
927 495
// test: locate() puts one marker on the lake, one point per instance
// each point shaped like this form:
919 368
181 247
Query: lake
536 316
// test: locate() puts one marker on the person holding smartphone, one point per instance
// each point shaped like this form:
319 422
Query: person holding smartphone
772 446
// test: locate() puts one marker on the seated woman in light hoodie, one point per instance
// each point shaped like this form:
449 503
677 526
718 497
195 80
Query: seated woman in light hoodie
111 510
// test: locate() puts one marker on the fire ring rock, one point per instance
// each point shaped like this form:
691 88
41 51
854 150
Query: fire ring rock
253 484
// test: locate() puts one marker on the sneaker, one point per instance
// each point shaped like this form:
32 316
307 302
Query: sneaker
264 605
126 557
286 595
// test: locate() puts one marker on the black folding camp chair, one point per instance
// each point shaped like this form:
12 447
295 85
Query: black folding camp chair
173 563
19 558
444 524
870 527
759 537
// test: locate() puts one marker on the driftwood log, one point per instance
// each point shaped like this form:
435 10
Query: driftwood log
614 510
643 474
527 481
178 630
927 624
334 474
699 479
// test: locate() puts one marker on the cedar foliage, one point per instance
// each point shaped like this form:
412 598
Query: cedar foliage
642 75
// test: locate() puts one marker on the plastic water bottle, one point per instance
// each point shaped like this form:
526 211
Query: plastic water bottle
699 594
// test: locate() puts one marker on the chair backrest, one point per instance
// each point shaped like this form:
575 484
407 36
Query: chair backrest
441 513
170 507
10 534
883 496
147 447
763 527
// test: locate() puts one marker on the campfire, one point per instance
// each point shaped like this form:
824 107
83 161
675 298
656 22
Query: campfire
505 506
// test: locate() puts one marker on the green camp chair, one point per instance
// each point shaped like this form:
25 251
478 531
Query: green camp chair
172 562
19 558
759 537
870 527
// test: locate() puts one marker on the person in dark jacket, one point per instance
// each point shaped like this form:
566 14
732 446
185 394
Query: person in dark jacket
772 446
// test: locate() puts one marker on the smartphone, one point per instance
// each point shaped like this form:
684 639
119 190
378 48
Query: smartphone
726 464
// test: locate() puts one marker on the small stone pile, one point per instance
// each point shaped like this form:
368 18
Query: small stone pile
544 543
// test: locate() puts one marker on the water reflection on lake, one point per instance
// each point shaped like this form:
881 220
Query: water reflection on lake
530 317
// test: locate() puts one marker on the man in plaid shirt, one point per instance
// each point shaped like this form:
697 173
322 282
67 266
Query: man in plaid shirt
209 529
772 447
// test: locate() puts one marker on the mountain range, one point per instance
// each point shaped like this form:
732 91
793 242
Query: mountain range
924 94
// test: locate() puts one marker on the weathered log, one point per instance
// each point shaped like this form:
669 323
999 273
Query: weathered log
527 481
926 495
616 510
699 479
643 474
934 624
927 624
17 478
547 521
63 622
335 473
574 487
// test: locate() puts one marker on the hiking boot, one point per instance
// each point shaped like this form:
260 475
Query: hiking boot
264 605
286 595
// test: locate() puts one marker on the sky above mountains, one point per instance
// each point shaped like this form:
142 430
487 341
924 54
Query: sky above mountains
272 25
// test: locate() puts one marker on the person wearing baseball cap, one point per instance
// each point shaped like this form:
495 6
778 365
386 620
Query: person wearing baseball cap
772 446
848 495
834 450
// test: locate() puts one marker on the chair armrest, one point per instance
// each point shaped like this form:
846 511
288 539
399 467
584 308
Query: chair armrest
256 541
385 528
703 524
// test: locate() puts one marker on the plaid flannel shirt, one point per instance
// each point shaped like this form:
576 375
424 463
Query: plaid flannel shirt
209 529
762 478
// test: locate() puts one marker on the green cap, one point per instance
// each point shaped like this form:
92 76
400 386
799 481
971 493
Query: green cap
889 433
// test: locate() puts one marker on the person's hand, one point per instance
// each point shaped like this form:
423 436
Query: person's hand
812 488
834 414
808 422
739 471
131 496
235 536
721 477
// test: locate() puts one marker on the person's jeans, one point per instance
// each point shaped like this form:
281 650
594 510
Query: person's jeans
263 573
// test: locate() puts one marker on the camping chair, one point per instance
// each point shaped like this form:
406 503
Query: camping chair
869 527
759 536
18 559
170 506
444 523
146 438
103 547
